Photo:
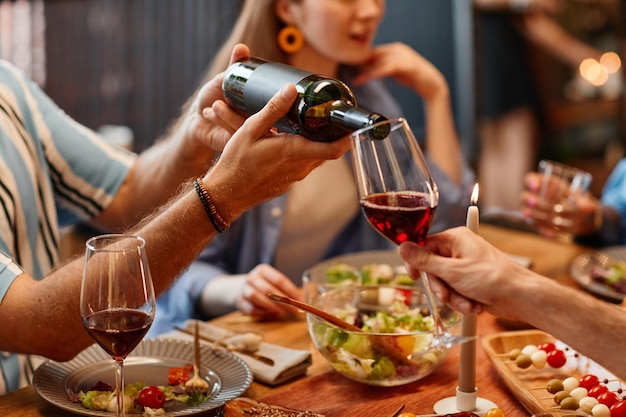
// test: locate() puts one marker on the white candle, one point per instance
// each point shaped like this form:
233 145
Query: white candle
467 370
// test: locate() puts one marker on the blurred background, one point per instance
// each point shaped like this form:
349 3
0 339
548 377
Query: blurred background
126 67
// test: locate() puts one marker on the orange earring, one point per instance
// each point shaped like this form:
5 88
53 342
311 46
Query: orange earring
290 39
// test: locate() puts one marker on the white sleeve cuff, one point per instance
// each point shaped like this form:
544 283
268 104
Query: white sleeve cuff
219 295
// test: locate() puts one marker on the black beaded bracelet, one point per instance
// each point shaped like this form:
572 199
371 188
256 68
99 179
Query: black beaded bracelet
216 220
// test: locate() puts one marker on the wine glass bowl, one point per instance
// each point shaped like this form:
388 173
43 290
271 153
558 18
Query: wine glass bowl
117 301
399 196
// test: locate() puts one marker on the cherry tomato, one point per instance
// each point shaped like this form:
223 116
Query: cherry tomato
608 398
406 414
546 347
556 358
618 409
588 381
597 390
494 412
177 376
152 397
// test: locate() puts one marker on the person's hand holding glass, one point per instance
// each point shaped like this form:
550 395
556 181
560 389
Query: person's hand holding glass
117 300
399 197
557 202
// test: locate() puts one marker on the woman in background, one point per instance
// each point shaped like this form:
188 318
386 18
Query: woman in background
268 249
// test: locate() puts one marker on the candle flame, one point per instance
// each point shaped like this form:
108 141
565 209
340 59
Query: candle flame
474 198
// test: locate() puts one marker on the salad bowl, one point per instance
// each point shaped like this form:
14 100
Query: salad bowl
392 346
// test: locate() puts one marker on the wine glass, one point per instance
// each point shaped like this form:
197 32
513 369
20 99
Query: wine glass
399 197
117 300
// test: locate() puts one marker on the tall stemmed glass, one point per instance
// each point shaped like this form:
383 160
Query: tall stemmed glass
399 197
117 298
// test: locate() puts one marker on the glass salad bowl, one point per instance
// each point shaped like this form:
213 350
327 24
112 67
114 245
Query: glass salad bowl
392 348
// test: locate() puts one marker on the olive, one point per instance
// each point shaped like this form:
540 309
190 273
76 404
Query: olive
554 386
569 403
514 353
523 361
560 396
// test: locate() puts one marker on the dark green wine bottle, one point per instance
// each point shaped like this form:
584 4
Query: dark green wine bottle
325 109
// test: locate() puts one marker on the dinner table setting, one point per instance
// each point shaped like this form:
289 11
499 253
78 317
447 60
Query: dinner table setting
286 369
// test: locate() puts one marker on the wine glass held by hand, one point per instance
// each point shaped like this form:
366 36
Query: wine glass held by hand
399 197
117 301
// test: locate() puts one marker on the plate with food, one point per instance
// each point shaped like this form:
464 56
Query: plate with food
546 375
154 372
602 273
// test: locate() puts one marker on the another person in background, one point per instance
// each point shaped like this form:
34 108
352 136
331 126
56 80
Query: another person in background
473 276
508 105
269 248
597 222
52 168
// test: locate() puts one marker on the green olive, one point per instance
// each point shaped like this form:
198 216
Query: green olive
523 361
560 396
554 386
569 403
514 353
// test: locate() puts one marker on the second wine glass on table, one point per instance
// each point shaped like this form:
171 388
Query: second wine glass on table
117 301
399 197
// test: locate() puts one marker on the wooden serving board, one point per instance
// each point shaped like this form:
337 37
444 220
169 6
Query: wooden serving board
530 385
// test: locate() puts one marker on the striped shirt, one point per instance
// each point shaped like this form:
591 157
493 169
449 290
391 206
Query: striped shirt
53 172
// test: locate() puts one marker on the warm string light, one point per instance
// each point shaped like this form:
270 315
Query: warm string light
597 71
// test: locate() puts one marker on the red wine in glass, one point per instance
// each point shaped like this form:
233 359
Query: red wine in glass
118 331
400 216
117 300
399 197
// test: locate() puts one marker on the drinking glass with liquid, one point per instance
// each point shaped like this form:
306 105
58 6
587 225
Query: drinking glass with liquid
556 209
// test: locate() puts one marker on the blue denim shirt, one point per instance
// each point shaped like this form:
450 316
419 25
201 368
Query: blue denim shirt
614 193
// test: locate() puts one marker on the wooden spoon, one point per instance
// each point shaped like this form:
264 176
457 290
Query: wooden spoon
342 324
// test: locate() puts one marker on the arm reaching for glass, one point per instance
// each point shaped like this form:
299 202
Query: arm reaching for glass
41 316
473 276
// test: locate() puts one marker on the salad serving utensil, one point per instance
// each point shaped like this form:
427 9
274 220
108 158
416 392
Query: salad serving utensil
260 358
342 324
386 345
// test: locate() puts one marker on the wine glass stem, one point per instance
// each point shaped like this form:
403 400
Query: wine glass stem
438 327
119 387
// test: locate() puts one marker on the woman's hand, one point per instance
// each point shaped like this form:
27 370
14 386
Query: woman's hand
587 210
400 62
261 281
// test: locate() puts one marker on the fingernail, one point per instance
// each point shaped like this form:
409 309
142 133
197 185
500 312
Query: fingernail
465 307
288 92
532 202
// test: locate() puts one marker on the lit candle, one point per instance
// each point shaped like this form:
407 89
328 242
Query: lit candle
467 371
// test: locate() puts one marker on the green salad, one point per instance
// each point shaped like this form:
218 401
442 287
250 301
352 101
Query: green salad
383 355
369 274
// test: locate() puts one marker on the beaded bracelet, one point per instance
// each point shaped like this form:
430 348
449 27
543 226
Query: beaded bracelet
216 220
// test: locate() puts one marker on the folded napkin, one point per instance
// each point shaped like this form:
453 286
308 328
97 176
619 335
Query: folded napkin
288 363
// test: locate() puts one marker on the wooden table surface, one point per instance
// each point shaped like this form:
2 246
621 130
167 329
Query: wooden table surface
325 391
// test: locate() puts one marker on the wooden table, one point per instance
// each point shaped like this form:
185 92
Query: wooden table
324 390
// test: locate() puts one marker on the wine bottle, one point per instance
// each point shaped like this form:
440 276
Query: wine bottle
324 110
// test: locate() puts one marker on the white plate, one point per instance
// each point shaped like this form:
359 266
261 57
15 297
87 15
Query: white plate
150 363
581 271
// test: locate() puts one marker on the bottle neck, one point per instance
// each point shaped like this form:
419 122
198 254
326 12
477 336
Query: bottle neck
353 118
